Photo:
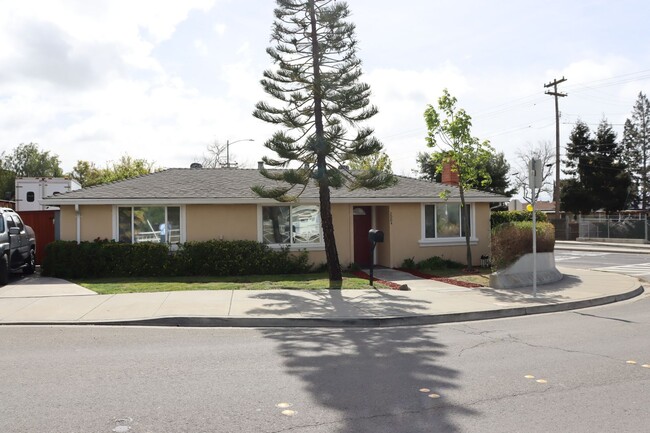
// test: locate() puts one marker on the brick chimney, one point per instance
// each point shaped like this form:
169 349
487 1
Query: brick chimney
449 176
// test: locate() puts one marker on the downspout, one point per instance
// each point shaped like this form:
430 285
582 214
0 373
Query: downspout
78 214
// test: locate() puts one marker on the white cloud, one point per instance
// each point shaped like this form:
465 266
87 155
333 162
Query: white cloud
219 28
401 97
201 47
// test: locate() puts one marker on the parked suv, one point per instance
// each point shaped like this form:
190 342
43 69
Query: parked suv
17 245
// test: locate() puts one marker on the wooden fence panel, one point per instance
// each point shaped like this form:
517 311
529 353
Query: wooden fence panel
42 221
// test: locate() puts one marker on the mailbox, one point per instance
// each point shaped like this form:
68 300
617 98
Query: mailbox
375 235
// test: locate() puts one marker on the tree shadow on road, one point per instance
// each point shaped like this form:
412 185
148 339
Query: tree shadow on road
368 379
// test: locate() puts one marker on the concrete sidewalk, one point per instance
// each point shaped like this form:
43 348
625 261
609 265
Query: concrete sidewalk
48 301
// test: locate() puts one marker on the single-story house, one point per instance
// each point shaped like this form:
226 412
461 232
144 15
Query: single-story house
196 204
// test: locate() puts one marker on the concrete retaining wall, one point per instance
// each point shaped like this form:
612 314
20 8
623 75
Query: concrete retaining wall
520 273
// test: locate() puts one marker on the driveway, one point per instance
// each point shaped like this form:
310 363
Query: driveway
26 286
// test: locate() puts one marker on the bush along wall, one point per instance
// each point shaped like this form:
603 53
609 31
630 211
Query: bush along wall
515 239
102 258
511 216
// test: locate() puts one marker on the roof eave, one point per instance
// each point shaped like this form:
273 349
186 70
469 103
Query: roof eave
197 201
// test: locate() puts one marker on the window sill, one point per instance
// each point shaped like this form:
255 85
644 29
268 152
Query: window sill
298 247
446 242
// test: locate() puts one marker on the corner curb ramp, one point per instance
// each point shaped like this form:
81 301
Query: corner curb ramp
350 322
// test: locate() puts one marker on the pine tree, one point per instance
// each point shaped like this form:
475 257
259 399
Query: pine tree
600 179
575 194
611 182
636 142
316 83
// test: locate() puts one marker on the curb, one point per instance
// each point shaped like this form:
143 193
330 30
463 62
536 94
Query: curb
369 322
602 249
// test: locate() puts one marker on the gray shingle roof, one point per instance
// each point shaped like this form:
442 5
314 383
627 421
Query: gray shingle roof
181 185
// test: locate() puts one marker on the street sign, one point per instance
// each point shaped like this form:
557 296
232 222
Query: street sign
535 174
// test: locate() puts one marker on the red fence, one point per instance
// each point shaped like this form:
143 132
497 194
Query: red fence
42 221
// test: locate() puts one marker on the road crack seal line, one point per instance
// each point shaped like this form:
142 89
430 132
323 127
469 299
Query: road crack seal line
476 346
513 339
602 317
561 349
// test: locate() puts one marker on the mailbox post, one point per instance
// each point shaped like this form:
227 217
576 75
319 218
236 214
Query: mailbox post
374 236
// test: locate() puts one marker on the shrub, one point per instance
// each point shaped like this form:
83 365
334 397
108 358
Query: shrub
512 240
510 216
103 258
408 263
67 259
436 262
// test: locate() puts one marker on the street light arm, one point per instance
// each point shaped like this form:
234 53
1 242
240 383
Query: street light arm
228 143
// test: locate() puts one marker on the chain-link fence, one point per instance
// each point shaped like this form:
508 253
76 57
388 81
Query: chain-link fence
614 227
566 228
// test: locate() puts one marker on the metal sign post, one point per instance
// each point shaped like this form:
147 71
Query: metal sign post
535 181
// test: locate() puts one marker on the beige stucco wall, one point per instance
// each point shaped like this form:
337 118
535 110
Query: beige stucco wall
96 222
382 222
67 224
228 222
401 224
406 230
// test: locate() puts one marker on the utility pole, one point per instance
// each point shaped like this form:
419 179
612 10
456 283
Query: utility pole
556 189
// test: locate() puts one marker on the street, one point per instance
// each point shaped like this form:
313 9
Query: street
580 371
637 265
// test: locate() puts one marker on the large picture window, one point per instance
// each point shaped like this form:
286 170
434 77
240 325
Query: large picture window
149 224
444 220
291 224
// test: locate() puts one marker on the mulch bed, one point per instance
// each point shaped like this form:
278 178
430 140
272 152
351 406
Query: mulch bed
419 274
441 279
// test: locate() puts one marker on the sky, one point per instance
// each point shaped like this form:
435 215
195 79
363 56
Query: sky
164 79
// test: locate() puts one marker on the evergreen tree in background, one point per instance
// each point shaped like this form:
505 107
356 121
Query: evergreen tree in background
88 174
26 160
315 80
380 161
575 195
599 177
636 144
497 168
611 181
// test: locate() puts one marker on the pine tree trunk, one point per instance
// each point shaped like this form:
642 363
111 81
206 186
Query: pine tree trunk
331 254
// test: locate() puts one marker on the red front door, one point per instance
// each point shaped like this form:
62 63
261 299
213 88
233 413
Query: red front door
362 223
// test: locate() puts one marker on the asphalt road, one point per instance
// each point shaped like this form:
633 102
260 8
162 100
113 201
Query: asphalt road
463 377
637 265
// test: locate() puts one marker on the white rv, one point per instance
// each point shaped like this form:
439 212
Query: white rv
30 191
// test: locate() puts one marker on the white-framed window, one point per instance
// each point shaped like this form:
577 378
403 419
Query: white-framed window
443 223
160 224
296 225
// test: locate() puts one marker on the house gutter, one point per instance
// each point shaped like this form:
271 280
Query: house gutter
78 219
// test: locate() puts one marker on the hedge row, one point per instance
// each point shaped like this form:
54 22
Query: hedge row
433 262
511 216
101 258
512 240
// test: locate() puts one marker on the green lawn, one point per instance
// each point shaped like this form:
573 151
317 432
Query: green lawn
106 286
